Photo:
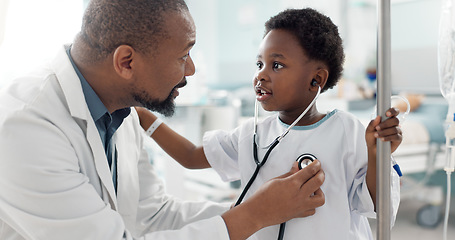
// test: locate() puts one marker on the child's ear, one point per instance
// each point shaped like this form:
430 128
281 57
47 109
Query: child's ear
320 78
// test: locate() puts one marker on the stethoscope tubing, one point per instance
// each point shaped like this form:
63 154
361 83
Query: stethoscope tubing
259 164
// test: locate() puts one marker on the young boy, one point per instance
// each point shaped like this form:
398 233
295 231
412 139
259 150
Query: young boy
300 52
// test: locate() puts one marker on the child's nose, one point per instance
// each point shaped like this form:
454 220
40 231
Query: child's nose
261 75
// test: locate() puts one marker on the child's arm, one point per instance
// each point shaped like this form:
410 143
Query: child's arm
178 147
390 131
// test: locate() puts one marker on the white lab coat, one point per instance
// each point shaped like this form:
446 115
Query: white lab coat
55 182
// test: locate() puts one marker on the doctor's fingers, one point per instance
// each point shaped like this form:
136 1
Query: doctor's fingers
294 169
300 177
313 184
309 204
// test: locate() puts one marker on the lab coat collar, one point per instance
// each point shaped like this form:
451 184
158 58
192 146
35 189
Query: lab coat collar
72 89
66 76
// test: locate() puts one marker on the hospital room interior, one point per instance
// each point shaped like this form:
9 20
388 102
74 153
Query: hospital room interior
220 95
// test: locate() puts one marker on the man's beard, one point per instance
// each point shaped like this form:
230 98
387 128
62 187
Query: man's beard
166 107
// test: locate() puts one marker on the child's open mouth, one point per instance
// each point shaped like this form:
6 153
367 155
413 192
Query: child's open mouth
262 94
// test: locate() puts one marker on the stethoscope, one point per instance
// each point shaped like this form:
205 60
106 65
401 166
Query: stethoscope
303 160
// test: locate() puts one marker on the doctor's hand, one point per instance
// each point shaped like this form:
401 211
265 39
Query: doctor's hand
292 195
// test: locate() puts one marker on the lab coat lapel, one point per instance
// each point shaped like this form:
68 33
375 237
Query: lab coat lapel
127 173
101 162
74 95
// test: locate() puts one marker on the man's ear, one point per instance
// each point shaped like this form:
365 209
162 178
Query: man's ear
320 76
123 61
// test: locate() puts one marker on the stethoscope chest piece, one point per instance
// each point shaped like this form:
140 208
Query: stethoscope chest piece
305 160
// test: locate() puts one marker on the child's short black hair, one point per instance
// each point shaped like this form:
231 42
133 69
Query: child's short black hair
317 35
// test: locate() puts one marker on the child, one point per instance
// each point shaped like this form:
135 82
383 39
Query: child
301 51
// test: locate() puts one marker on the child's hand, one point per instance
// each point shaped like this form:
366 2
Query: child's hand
389 130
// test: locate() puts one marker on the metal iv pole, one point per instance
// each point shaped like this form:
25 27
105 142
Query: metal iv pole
383 164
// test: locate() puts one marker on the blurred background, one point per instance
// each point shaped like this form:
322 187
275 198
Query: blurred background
220 94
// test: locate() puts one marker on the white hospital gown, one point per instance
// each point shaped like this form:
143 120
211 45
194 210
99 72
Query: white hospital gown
337 141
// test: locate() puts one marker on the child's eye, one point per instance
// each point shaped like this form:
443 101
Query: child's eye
259 64
277 65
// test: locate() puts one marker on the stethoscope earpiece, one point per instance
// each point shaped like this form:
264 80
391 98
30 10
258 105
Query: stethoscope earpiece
305 160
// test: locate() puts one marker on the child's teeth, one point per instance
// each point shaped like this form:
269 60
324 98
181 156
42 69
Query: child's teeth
263 92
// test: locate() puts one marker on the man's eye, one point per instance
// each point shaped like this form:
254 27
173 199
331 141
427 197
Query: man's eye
184 58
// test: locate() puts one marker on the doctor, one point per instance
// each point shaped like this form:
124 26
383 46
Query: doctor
72 162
